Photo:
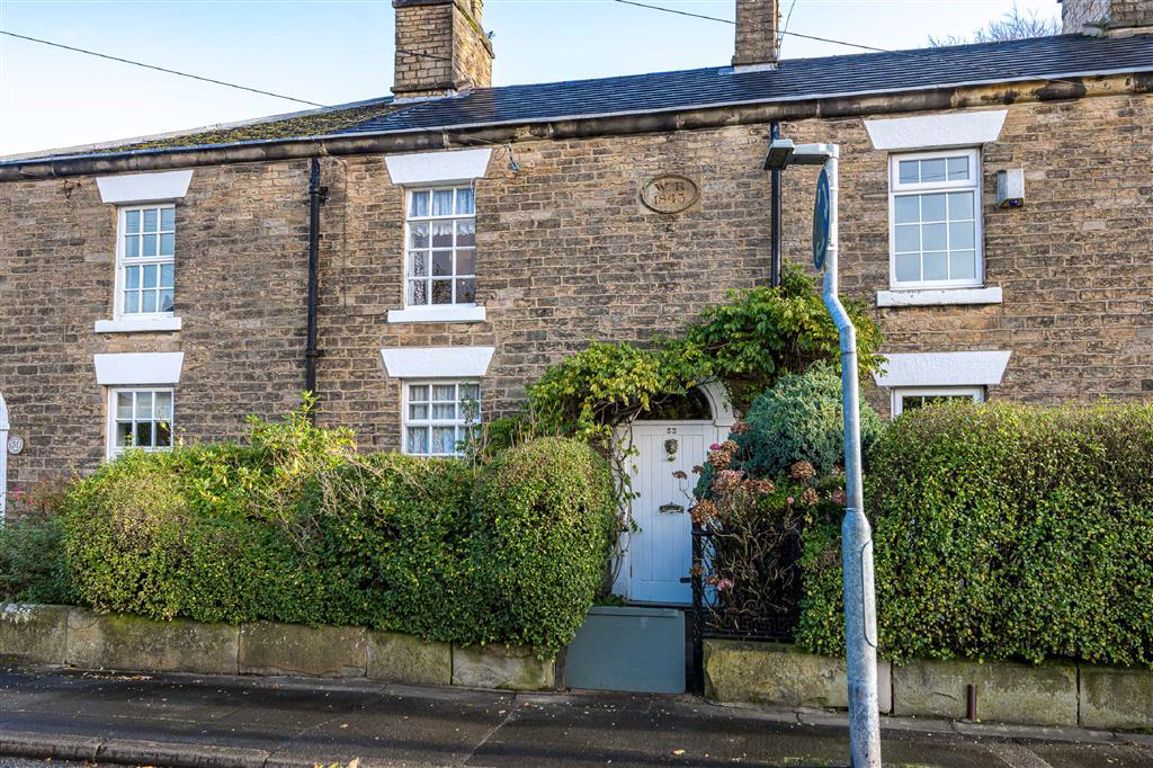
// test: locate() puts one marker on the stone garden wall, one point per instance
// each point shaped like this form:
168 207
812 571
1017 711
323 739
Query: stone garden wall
75 637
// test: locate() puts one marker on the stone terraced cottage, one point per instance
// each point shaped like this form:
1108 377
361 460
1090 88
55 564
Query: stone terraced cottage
457 238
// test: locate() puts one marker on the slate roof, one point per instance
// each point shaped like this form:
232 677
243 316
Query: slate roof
1056 57
1065 55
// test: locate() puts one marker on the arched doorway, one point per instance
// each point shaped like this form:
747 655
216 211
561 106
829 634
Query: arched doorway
3 457
657 555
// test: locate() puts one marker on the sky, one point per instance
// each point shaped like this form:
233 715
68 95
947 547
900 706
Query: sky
339 51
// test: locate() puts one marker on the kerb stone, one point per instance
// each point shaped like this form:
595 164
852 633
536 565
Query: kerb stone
501 666
290 649
406 659
134 643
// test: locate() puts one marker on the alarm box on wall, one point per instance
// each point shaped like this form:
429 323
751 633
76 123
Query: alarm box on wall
1011 188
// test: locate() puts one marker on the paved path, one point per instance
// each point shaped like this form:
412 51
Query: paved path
182 720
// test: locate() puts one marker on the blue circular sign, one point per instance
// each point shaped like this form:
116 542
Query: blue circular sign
821 221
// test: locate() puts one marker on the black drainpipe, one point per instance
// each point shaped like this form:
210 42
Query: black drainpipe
316 197
775 253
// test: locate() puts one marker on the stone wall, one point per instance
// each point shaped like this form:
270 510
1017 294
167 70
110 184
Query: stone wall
1056 693
567 254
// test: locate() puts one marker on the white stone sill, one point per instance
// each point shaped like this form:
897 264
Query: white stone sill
152 325
446 314
936 298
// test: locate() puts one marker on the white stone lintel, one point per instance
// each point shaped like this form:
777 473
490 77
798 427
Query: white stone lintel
956 129
935 298
943 369
138 368
437 362
144 187
438 167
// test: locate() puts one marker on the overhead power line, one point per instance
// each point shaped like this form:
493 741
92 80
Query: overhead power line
162 69
730 22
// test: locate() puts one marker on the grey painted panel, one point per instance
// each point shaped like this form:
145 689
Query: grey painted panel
641 650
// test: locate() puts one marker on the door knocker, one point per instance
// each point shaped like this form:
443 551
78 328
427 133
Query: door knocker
671 449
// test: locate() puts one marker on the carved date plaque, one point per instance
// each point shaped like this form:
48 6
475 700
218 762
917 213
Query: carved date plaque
670 194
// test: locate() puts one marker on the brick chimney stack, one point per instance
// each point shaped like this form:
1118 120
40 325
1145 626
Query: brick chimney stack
1110 17
441 48
757 25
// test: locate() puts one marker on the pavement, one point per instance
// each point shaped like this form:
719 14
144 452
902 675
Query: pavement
209 721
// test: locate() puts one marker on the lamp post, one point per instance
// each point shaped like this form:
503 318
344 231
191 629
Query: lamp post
856 534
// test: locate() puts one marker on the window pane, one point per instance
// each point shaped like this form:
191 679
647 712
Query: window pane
132 221
149 245
419 264
418 292
418 204
961 235
131 247
960 205
963 265
167 275
163 434
151 276
167 302
443 440
936 266
148 301
932 170
933 207
958 168
908 171
168 219
469 392
124 405
908 238
933 237
124 433
444 411
151 220
417 441
466 291
441 263
418 392
442 291
144 434
466 233
442 202
132 277
418 411
466 262
418 235
465 200
907 209
167 245
164 406
143 405
908 267
442 234
444 393
131 302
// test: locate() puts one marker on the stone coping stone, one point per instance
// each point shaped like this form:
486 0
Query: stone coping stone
507 667
291 649
121 642
400 658
738 671
33 633
1045 694
1113 698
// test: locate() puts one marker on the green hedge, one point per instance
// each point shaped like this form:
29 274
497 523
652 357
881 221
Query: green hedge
1003 531
299 528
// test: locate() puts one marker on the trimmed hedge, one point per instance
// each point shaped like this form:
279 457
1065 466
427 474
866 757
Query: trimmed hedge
1003 531
298 528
